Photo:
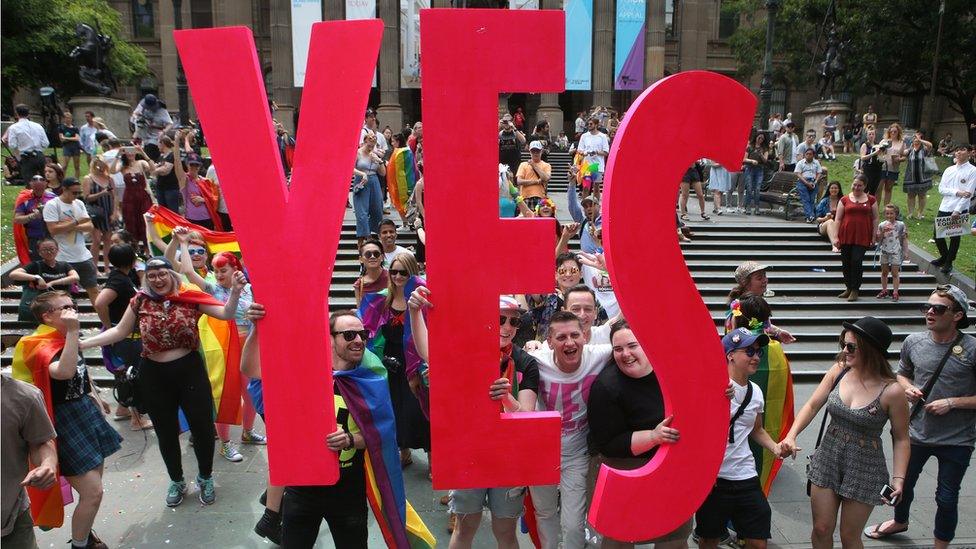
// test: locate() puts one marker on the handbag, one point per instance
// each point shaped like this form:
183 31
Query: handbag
126 390
823 425
929 166
917 407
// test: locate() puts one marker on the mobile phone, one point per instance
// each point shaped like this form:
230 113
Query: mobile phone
886 492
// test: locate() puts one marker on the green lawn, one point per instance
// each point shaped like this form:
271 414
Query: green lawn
919 231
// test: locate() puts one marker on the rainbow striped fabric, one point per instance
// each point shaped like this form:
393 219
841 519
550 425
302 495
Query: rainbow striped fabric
367 396
32 355
401 177
220 345
165 220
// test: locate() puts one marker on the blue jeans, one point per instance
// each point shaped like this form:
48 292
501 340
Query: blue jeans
368 205
169 198
806 198
953 461
754 177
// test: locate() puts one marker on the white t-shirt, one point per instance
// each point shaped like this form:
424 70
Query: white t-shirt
599 282
388 257
590 143
739 463
71 245
600 335
567 393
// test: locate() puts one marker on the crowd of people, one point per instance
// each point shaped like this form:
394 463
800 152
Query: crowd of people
570 351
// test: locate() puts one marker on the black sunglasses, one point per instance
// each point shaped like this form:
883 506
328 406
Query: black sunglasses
350 335
939 308
753 351
848 347
401 272
373 254
513 321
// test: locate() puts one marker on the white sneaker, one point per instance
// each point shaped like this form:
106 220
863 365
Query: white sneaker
229 451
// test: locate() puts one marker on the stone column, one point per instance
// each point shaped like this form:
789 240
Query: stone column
654 42
549 102
168 55
228 13
333 11
603 16
283 84
389 112
695 33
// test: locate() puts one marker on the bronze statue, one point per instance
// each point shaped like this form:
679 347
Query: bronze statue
833 65
92 57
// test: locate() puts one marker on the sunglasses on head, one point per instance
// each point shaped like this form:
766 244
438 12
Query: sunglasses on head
937 308
350 335
754 351
197 251
402 272
513 321
372 254
848 347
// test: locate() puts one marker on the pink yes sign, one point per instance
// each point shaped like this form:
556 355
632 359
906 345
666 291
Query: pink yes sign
473 256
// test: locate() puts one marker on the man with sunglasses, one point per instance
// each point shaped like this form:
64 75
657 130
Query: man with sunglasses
943 416
29 213
737 495
67 220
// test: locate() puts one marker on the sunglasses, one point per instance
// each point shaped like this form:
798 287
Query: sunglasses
754 352
350 335
371 254
400 272
197 251
513 321
568 271
938 308
848 347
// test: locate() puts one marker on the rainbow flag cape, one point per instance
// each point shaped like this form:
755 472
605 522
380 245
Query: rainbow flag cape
165 220
20 232
220 346
367 396
374 313
401 177
32 356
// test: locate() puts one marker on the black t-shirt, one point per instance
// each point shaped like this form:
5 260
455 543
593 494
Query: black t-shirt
618 406
48 273
509 150
125 291
68 131
168 182
526 365
65 390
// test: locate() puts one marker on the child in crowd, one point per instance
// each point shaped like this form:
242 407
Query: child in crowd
893 238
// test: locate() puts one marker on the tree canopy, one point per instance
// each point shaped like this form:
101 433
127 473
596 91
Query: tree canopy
38 35
890 51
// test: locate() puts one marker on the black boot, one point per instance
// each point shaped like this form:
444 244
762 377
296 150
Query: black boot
269 526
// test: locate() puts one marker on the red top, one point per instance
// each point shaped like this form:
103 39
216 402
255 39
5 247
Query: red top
857 226
167 325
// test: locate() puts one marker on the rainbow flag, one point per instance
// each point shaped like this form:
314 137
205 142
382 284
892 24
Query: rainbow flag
367 396
374 313
220 346
32 356
401 177
165 220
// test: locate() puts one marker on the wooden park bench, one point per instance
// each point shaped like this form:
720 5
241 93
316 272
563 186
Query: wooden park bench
781 190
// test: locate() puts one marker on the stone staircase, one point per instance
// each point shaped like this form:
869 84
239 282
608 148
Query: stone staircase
805 277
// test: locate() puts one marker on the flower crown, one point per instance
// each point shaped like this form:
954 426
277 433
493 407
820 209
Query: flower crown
755 325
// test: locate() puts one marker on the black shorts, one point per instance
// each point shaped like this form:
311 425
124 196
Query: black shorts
742 502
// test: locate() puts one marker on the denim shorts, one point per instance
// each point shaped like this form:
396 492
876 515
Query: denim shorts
885 174
502 502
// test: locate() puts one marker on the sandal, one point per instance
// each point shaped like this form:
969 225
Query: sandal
876 533
705 217
882 295
894 296
684 217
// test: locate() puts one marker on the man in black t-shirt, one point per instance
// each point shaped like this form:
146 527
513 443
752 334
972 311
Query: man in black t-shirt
510 143
41 276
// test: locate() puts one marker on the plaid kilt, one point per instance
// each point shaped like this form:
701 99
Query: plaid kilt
85 439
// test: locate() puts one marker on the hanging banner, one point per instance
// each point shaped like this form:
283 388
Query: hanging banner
523 4
410 42
361 9
304 13
579 44
628 57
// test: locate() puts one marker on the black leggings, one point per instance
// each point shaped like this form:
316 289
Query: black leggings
852 260
304 507
167 387
947 253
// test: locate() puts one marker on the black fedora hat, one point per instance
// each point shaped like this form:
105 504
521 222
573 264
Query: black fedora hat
873 330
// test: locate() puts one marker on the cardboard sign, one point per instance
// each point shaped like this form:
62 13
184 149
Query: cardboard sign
952 225
660 300
288 236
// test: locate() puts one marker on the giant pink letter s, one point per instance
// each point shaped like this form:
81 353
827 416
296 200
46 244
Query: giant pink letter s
288 236
472 255
674 328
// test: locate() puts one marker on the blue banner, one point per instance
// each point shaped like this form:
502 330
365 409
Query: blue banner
628 58
579 44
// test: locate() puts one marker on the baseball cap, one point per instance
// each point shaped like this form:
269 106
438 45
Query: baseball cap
741 338
150 100
960 298
509 303
743 271
193 158
589 198
535 145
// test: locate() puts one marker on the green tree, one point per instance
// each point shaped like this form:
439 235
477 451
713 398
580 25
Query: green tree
38 35
891 47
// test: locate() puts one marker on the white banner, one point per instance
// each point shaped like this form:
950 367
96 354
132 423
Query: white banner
410 42
952 226
304 13
361 9
523 4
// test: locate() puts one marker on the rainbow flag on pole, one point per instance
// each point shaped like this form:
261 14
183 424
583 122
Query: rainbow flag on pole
401 177
165 220
367 396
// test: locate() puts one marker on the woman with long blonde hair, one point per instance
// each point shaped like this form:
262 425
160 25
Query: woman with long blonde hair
894 153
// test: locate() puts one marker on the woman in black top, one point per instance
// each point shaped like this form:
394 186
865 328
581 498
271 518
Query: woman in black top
44 275
625 411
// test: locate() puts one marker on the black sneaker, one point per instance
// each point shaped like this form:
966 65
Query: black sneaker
947 268
269 527
937 262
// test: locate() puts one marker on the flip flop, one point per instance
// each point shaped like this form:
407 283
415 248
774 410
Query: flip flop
876 533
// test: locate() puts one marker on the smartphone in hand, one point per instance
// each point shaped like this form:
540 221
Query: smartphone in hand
886 492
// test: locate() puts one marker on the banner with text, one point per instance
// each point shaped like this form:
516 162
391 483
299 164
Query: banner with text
628 58
523 4
361 9
303 14
410 42
957 225
579 44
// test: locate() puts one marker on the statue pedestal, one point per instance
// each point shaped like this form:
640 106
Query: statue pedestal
114 112
814 114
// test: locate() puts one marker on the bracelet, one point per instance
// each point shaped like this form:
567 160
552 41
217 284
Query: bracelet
352 441
949 400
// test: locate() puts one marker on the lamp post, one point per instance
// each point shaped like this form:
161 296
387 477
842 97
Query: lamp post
181 89
766 86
